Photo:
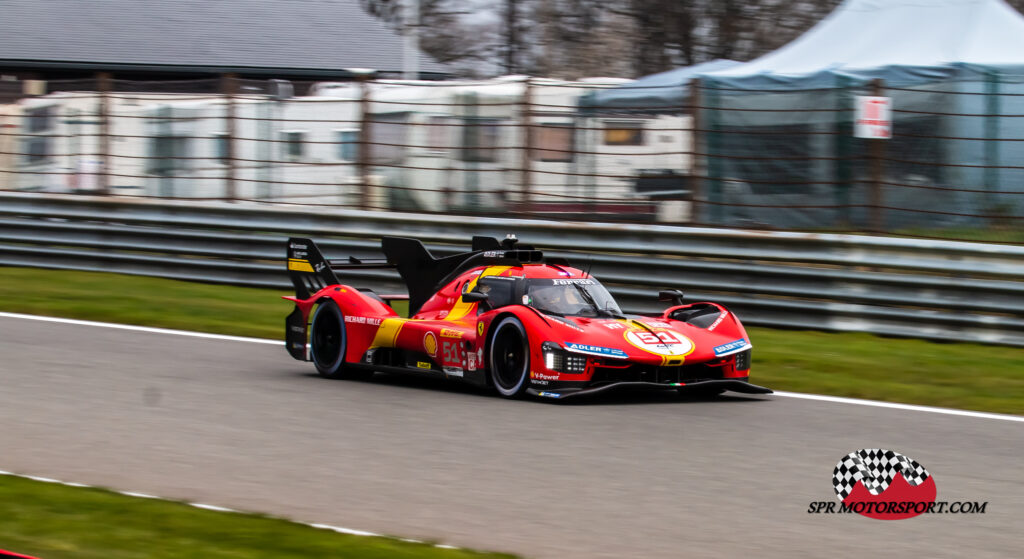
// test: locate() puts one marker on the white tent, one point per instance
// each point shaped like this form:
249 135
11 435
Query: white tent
897 40
781 125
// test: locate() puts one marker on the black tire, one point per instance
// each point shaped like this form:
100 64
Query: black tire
509 358
327 343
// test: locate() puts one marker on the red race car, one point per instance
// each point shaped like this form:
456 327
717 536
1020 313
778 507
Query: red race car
502 315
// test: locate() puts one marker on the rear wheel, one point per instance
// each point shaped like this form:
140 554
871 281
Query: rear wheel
327 343
510 358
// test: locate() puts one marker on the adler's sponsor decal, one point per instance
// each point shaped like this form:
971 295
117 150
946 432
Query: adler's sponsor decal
596 350
731 347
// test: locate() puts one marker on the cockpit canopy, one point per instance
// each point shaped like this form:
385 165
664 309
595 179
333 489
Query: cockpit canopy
562 297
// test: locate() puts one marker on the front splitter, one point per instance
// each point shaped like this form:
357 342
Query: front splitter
735 385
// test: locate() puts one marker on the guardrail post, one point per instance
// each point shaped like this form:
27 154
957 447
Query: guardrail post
876 151
103 86
228 86
696 139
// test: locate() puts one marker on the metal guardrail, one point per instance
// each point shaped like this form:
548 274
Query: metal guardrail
939 290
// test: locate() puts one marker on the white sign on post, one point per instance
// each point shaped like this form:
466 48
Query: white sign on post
873 117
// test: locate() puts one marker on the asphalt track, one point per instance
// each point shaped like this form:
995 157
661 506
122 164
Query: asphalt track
242 425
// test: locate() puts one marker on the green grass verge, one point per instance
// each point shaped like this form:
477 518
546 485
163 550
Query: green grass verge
53 521
968 376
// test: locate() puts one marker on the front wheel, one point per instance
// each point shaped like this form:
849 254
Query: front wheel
510 358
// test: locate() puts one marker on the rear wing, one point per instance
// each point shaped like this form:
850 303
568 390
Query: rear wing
310 271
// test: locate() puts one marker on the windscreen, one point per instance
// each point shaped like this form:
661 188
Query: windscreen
578 297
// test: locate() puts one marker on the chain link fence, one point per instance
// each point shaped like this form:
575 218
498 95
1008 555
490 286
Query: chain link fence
530 147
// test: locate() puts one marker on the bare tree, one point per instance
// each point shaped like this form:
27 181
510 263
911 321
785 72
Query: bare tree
447 33
628 38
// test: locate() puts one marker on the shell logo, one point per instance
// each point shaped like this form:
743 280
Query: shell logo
430 344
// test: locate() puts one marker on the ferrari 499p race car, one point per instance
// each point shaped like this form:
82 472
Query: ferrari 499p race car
502 315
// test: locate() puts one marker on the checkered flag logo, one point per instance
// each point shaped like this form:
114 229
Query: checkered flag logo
875 468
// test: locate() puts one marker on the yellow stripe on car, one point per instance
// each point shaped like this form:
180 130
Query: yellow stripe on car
388 331
462 308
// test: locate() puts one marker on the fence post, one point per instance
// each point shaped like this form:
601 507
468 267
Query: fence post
876 150
365 137
103 86
229 86
844 102
992 110
696 139
713 162
525 124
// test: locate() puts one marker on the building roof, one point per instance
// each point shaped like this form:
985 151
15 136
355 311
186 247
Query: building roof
280 37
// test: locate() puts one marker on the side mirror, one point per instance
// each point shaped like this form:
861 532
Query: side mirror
673 296
474 297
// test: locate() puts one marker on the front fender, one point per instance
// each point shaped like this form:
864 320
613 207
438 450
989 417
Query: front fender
538 330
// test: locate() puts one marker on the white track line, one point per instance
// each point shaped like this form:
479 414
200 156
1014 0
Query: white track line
818 397
141 328
907 407
215 508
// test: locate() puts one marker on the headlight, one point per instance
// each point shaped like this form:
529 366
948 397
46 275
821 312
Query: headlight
743 360
558 360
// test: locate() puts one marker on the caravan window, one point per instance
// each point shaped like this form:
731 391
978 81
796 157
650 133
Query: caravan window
554 142
164 154
387 138
348 144
480 139
437 133
39 119
220 147
294 143
37 149
624 133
